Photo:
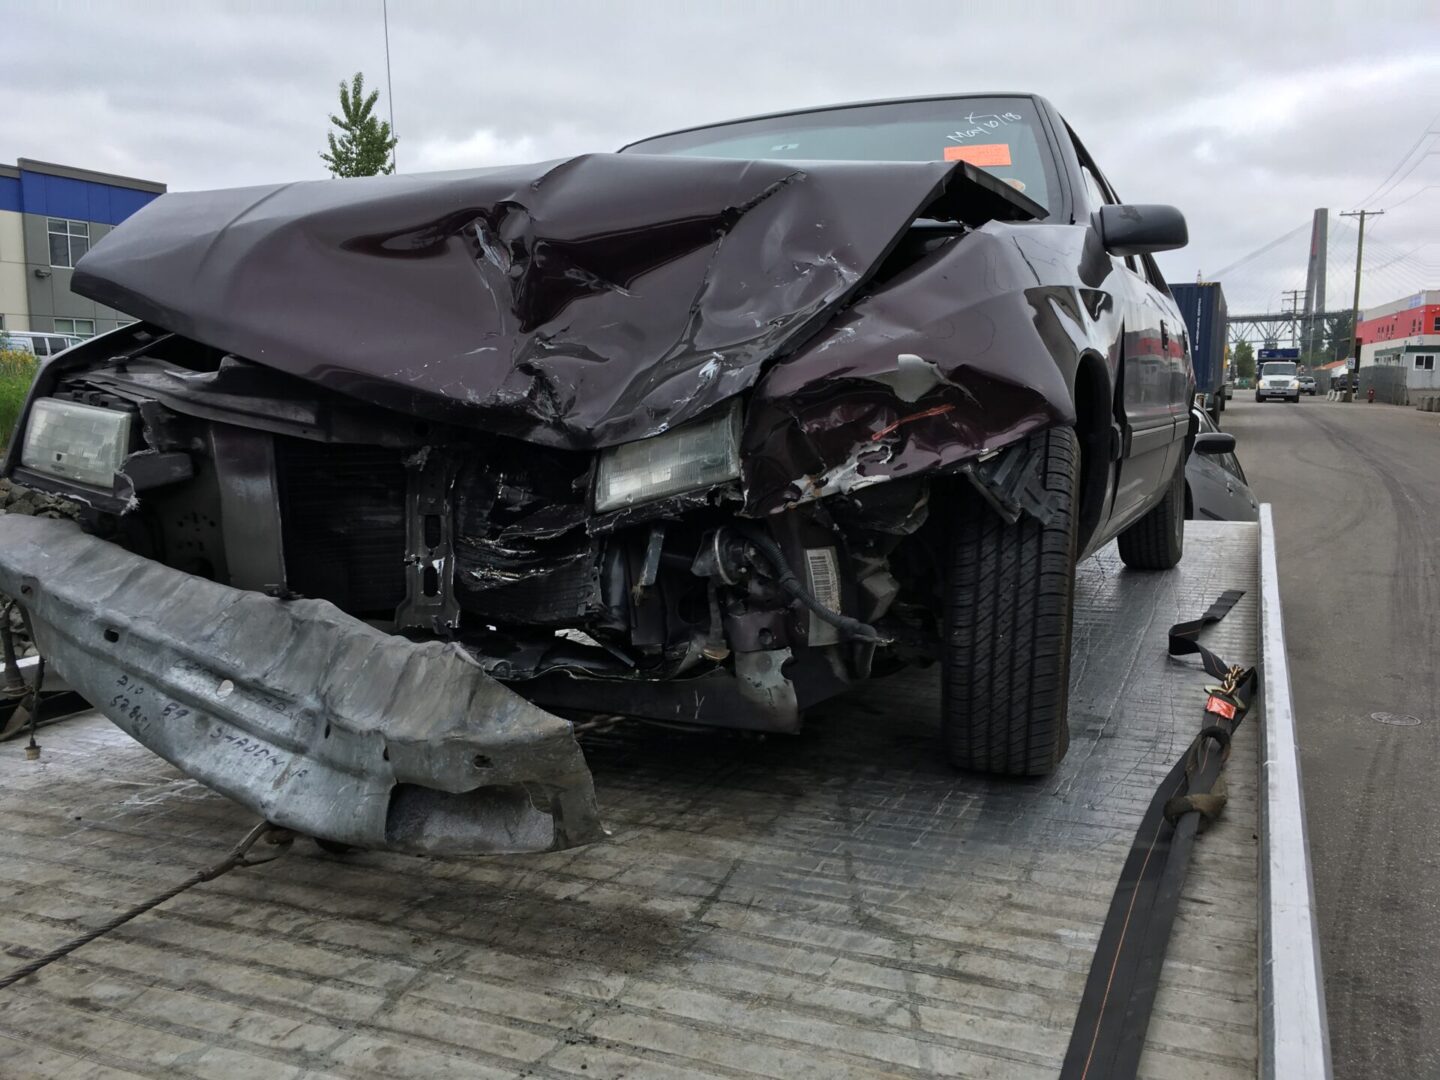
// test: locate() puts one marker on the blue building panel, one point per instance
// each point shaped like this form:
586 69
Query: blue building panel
32 193
97 202
10 193
79 200
68 198
126 201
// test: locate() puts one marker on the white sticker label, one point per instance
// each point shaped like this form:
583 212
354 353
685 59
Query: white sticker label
823 569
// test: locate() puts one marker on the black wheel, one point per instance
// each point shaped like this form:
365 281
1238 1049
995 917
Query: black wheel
1157 540
1006 671
1258 398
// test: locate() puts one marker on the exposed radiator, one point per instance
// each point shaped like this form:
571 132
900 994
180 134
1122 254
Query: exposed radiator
342 509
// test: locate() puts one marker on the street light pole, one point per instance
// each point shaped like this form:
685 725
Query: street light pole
1355 308
389 90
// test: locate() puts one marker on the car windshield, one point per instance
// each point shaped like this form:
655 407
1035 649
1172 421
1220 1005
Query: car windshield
1000 135
1272 371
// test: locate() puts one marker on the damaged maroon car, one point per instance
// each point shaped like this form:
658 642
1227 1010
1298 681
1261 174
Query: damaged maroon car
393 476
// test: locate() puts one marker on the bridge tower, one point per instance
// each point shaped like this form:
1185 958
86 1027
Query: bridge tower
1312 337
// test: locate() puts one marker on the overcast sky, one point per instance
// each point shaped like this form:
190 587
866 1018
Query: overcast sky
1245 120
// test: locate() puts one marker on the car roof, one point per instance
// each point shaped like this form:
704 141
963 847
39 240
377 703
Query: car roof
841 105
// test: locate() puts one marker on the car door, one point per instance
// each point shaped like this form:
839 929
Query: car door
1243 504
1157 416
1218 491
1152 350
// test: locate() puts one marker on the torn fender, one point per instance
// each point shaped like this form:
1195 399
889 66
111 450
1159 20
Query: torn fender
310 718
965 352
578 303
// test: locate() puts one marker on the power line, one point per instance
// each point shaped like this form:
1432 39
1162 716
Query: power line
1413 166
1418 191
1404 256
1258 252
1428 130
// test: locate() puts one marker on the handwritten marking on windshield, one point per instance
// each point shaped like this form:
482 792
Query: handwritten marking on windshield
982 124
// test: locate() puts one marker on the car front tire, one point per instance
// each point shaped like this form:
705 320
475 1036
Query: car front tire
1006 674
1157 540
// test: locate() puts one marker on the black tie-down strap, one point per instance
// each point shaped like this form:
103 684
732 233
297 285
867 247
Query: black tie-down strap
1109 1033
1184 636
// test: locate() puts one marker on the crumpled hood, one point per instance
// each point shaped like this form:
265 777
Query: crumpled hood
578 303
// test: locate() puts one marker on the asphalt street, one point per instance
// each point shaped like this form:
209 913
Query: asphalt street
1356 496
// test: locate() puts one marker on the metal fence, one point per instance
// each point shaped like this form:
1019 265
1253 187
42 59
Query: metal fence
1388 382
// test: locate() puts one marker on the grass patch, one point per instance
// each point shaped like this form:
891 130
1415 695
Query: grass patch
17 371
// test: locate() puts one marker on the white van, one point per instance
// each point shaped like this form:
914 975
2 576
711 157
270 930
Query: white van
41 345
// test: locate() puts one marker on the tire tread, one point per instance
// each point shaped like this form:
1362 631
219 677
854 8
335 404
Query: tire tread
1157 540
1005 679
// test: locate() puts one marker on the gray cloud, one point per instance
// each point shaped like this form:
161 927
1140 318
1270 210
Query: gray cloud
1246 119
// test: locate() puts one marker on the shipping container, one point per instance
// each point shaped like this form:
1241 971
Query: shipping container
1202 306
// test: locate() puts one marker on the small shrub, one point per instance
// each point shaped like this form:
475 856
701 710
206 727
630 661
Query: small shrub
17 371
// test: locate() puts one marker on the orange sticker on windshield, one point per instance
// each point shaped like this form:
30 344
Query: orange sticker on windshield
983 155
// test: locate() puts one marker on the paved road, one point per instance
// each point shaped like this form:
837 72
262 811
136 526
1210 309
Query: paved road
1356 492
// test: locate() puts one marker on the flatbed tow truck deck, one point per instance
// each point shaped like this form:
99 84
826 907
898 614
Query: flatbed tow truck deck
838 904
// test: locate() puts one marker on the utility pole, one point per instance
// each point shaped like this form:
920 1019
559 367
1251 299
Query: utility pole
1293 307
1352 381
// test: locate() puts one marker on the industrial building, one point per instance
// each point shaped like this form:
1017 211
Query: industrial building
50 215
1404 333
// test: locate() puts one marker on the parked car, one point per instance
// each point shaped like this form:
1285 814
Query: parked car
1215 485
38 344
1307 385
1229 389
1278 378
706 431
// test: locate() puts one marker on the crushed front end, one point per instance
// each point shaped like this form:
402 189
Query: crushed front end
663 449
628 579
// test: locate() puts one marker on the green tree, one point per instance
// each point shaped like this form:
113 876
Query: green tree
365 142
1243 362
1337 336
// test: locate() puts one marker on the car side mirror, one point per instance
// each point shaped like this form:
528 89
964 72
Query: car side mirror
1142 228
1211 443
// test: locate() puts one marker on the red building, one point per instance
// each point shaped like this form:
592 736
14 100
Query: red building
1404 332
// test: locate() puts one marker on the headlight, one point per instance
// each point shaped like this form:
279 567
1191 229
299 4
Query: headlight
697 455
76 442
1294 384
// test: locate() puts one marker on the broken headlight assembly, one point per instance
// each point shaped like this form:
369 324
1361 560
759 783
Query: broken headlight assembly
80 443
698 455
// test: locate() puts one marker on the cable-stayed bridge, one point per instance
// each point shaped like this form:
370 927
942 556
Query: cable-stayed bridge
1270 304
